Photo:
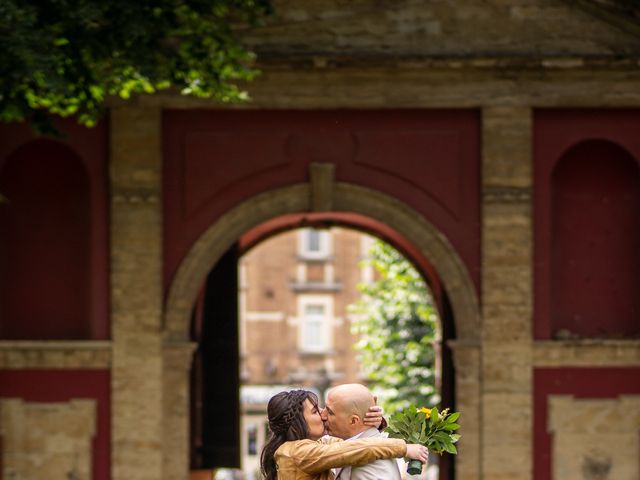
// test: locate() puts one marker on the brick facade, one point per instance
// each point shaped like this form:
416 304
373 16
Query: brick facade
277 282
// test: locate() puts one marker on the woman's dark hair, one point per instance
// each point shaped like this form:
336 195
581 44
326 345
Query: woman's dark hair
286 422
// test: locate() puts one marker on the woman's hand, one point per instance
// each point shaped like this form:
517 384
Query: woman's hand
415 451
373 417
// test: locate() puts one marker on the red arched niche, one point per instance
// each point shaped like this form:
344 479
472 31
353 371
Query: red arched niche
595 241
44 246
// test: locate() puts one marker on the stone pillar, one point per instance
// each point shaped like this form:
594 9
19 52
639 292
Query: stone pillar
136 293
467 361
507 295
177 367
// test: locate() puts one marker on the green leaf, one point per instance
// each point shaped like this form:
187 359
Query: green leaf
452 417
444 437
435 416
423 432
451 449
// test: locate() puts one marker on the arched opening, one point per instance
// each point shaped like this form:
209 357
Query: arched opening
45 244
595 259
295 346
460 299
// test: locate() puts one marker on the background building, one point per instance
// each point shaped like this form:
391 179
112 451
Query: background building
295 328
295 290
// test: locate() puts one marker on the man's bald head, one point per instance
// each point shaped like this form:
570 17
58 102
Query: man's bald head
353 398
346 407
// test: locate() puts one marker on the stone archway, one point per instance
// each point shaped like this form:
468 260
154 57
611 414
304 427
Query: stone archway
321 194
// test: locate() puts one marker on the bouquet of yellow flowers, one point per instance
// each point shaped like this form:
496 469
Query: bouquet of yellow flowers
427 427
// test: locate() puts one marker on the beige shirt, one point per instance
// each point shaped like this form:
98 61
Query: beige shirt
382 469
336 471
313 460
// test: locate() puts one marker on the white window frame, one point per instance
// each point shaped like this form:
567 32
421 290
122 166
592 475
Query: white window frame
326 321
303 244
366 270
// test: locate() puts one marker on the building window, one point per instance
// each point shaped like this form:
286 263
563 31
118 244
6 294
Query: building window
314 244
313 241
252 440
315 313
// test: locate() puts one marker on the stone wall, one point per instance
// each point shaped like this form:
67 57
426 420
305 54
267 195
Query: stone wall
365 28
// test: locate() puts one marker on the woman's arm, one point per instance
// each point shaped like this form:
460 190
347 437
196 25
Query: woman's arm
329 439
314 457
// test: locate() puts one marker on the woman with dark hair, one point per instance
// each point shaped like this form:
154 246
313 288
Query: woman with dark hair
294 450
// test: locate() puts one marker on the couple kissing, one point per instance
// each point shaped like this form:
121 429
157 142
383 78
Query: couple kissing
298 449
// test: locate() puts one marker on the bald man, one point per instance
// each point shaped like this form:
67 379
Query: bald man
344 411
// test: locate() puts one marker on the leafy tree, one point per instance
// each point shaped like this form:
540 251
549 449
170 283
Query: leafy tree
66 56
397 325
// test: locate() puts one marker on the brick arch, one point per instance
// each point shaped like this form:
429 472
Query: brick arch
217 239
430 242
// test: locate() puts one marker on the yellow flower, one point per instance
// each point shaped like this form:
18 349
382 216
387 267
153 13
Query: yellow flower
426 411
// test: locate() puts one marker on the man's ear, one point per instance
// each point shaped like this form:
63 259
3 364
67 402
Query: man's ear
354 420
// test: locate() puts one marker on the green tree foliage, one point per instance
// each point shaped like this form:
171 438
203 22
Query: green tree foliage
397 325
66 56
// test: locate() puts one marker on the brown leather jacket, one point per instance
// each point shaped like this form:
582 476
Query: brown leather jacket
313 460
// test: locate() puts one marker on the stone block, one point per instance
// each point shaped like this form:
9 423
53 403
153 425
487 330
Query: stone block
506 234
507 323
47 440
506 146
507 285
506 434
594 437
507 368
587 352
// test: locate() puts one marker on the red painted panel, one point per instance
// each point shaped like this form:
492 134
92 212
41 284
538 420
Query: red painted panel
45 273
556 132
214 160
62 386
595 250
581 383
230 149
422 151
90 147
